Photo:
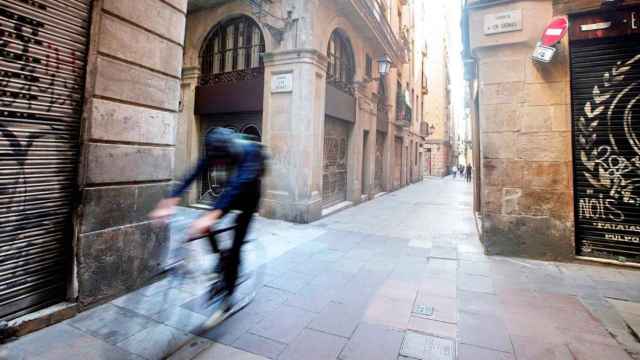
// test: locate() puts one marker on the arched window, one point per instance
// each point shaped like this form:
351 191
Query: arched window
232 46
341 67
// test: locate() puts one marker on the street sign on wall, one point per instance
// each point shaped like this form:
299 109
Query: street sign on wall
282 83
554 32
551 36
503 22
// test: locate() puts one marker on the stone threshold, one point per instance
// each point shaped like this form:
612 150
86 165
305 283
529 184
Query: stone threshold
38 320
380 194
608 261
336 208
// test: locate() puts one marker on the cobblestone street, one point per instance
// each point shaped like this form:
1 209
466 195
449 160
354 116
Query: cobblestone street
366 285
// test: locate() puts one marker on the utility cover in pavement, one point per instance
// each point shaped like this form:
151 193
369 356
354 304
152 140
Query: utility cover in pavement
423 310
426 347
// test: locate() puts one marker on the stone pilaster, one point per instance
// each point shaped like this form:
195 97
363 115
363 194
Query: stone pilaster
293 130
187 146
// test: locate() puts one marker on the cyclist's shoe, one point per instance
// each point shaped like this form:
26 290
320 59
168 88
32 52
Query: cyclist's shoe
220 314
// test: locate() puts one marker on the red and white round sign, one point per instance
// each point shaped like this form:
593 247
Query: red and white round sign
555 31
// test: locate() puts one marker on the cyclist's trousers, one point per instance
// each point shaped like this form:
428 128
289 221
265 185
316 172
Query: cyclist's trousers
231 258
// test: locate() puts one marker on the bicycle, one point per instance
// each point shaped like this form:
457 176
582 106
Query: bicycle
187 268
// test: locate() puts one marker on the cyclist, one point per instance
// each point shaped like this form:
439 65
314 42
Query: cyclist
246 161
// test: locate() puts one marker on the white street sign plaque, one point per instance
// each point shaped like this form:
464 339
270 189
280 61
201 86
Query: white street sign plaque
503 22
282 83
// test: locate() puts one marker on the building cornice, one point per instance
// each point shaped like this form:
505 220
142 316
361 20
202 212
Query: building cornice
284 57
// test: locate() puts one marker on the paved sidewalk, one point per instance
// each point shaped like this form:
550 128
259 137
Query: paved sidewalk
400 277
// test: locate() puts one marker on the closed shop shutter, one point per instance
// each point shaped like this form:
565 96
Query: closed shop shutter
334 177
606 135
43 47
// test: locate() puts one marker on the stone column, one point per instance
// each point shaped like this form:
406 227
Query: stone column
293 130
187 146
356 155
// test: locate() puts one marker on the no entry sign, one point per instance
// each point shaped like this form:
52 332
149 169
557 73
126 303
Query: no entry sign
554 32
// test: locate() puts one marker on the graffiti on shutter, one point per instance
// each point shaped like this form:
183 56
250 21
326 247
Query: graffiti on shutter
606 103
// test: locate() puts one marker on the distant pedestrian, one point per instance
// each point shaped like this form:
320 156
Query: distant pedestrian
468 172
461 171
454 170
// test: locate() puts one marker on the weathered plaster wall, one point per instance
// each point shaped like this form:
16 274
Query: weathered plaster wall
132 93
525 137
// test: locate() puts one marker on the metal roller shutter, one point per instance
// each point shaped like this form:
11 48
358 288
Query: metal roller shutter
606 132
42 64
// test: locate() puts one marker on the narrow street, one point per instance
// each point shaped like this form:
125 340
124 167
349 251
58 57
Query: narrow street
402 276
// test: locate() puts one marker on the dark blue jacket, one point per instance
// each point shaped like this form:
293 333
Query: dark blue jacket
242 190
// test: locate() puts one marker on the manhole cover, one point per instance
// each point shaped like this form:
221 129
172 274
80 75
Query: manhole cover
426 347
423 310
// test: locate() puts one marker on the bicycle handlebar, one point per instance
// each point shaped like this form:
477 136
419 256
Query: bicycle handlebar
213 233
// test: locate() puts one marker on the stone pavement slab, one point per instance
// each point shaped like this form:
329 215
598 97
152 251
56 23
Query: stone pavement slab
314 345
155 342
259 345
485 331
470 352
284 324
373 342
111 323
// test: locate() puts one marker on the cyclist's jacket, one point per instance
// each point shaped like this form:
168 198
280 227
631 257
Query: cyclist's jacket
242 190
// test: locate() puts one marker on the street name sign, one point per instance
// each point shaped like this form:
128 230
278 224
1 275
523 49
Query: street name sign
282 83
503 22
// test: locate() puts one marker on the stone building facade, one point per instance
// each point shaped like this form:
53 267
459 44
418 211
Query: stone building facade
557 149
91 93
438 120
338 133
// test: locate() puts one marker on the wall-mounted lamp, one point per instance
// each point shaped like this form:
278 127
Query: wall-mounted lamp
384 65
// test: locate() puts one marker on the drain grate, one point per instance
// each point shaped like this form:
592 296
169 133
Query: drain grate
423 310
427 347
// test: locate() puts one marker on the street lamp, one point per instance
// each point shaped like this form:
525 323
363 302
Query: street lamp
384 65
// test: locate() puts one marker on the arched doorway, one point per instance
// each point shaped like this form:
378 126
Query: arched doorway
230 87
339 118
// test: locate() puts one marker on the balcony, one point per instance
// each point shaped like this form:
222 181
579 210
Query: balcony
370 16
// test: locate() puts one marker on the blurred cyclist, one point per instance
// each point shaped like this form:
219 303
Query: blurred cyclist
246 161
